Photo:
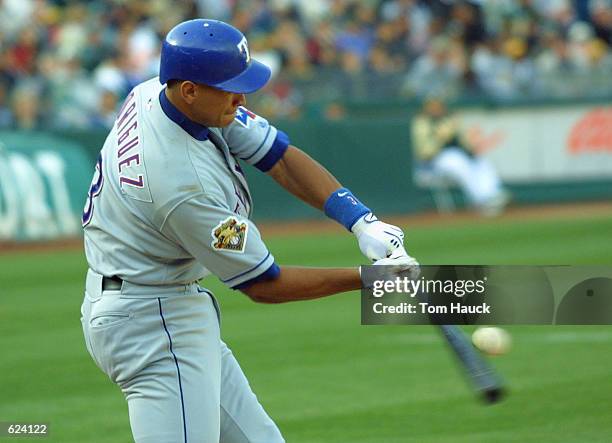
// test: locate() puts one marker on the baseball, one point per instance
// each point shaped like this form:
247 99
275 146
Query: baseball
492 340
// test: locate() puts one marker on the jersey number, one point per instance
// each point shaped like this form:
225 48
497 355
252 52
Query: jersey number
94 190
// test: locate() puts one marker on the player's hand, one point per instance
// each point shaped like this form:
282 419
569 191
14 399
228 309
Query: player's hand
377 239
400 263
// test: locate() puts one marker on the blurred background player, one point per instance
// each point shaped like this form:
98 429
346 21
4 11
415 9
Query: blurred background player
441 146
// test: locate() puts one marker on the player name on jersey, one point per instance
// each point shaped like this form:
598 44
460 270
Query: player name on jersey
127 142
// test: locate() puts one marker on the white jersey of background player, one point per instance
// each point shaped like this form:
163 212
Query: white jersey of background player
169 204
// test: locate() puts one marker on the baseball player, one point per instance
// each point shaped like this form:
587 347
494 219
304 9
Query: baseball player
442 147
168 205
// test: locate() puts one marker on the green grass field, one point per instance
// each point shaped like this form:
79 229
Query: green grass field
320 375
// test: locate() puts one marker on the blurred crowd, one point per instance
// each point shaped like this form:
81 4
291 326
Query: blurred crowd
68 64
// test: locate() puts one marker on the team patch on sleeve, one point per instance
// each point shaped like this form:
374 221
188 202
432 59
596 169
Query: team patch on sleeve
244 116
230 235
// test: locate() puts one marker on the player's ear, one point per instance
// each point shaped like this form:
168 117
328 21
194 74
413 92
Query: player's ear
188 91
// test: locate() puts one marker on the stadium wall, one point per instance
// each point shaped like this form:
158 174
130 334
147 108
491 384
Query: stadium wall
550 153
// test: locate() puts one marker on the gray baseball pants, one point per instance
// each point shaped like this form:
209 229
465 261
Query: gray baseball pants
162 347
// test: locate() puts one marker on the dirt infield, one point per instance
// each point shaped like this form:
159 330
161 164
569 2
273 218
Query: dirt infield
271 229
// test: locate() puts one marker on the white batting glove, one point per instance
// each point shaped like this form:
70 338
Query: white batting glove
400 263
377 239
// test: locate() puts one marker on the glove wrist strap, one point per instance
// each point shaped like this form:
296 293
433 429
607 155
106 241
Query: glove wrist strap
362 223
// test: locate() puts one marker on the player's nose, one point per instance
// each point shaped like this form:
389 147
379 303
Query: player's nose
239 100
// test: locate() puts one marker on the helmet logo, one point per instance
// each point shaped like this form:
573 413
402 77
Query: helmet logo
243 47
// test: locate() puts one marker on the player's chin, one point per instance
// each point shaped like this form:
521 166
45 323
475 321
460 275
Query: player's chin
227 119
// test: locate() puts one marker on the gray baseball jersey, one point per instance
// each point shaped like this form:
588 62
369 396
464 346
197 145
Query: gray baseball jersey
169 202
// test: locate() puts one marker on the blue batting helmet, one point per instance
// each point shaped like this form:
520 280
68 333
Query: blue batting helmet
212 53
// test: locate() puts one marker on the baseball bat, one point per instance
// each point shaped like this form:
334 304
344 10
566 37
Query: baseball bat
481 375
483 378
